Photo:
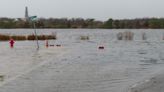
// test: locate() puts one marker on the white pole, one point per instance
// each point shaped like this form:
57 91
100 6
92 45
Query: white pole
36 37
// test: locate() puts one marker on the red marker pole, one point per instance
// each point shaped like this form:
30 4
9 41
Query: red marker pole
11 43
47 43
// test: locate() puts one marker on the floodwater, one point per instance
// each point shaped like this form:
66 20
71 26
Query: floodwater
78 65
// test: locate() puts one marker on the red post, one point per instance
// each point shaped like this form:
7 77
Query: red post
47 43
11 43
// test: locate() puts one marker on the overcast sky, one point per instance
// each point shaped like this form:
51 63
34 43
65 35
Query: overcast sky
98 9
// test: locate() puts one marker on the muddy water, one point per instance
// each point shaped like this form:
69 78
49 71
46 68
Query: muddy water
79 66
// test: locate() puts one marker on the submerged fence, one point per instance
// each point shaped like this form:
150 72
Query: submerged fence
125 35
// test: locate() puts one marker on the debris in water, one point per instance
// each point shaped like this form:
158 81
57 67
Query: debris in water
101 47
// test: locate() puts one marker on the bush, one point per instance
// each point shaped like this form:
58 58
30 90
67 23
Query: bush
84 37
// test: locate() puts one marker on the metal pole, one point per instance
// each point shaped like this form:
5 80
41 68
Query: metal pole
36 37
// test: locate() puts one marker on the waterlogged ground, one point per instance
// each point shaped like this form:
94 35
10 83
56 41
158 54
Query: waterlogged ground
79 66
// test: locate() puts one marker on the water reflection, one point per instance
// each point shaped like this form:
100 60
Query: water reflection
84 68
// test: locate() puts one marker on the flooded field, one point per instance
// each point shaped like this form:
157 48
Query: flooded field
78 65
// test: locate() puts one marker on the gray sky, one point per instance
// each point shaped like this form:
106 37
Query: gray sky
98 9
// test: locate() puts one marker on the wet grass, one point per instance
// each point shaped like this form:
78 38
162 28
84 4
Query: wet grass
4 37
28 37
18 37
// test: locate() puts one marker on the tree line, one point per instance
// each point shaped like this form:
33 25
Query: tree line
139 23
